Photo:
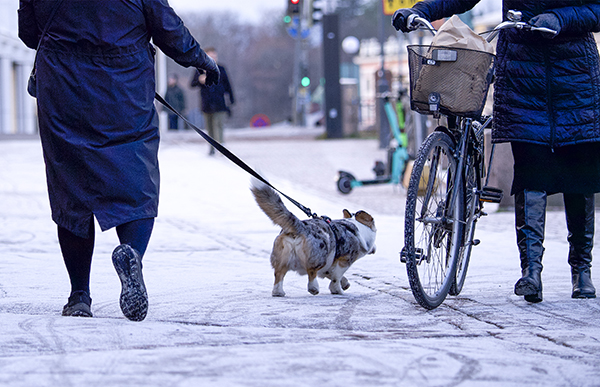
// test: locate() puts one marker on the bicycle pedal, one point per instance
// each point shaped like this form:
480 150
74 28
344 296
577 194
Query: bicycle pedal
491 195
418 255
403 255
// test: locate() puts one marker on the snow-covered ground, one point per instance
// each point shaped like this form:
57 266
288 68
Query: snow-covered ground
212 320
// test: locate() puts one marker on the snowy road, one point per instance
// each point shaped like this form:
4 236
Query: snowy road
213 322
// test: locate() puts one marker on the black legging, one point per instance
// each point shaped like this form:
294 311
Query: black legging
77 252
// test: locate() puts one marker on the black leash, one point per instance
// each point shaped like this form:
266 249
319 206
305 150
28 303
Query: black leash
233 157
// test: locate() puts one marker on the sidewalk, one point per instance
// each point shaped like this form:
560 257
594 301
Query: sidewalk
212 320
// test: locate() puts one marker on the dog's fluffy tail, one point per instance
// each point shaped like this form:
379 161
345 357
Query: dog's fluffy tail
269 201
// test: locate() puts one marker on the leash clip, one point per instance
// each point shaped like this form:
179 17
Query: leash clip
327 219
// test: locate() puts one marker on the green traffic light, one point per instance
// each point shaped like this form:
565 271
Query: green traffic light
287 19
305 82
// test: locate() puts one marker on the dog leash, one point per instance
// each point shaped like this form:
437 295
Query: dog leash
236 160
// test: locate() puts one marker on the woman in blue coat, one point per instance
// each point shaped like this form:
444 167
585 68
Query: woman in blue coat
547 105
99 127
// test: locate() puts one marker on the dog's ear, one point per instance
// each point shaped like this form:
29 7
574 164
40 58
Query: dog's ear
347 214
365 218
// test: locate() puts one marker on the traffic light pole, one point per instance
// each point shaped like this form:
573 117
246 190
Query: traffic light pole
301 14
296 81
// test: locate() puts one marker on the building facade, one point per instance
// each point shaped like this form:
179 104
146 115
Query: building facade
17 107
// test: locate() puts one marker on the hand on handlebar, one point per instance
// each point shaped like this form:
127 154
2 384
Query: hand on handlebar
547 21
401 18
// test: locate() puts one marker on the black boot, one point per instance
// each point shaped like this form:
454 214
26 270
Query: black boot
530 219
579 209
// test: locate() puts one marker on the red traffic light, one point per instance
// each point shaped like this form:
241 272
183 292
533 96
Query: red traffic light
294 7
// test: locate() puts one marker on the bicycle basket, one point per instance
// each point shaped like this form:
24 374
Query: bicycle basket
460 77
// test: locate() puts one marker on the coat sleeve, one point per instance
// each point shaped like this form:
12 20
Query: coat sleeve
438 9
579 19
29 32
171 36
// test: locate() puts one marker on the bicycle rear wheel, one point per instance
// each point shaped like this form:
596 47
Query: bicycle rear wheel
471 199
433 229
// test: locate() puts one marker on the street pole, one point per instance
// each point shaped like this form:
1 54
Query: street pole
331 67
296 77
382 86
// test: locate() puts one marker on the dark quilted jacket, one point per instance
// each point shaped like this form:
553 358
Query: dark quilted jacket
547 91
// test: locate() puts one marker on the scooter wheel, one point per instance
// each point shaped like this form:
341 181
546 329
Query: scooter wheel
344 184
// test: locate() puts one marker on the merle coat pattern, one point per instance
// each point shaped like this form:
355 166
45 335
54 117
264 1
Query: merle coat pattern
315 247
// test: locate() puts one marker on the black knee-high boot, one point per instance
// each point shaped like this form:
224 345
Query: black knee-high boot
579 210
530 219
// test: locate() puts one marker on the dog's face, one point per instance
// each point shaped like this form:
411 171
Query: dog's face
366 228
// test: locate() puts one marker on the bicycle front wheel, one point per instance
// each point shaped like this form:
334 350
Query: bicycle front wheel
432 231
471 199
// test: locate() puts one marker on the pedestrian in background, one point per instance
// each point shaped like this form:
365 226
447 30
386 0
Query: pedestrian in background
99 128
174 97
214 108
547 105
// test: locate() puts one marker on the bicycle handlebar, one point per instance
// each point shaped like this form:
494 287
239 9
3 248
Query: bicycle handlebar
519 25
415 20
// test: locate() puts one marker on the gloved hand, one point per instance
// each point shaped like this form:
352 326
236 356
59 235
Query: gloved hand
401 16
212 76
211 69
547 20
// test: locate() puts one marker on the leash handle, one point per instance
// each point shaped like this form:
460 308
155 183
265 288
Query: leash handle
232 157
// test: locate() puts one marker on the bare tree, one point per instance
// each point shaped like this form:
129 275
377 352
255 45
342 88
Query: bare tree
259 62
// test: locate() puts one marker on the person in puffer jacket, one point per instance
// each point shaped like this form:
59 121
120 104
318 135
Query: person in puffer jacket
547 105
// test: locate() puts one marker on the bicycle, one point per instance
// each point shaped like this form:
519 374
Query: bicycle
446 192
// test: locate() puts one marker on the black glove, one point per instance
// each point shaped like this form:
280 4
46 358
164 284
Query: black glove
547 20
212 77
212 70
401 16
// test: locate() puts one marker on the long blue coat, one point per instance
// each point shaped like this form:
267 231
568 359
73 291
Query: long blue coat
547 91
97 120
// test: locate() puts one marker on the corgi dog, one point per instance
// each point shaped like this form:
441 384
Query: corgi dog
315 247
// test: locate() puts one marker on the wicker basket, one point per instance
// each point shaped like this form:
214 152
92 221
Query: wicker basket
461 77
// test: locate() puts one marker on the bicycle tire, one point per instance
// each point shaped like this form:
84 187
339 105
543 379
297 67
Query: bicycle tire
432 234
471 199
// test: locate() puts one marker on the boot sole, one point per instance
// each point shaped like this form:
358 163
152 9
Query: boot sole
534 298
583 295
134 298
530 291
77 310
525 288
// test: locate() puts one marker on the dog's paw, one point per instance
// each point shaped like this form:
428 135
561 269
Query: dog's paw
335 288
314 290
345 283
278 290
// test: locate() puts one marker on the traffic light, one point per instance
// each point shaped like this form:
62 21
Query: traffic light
304 78
315 14
294 7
